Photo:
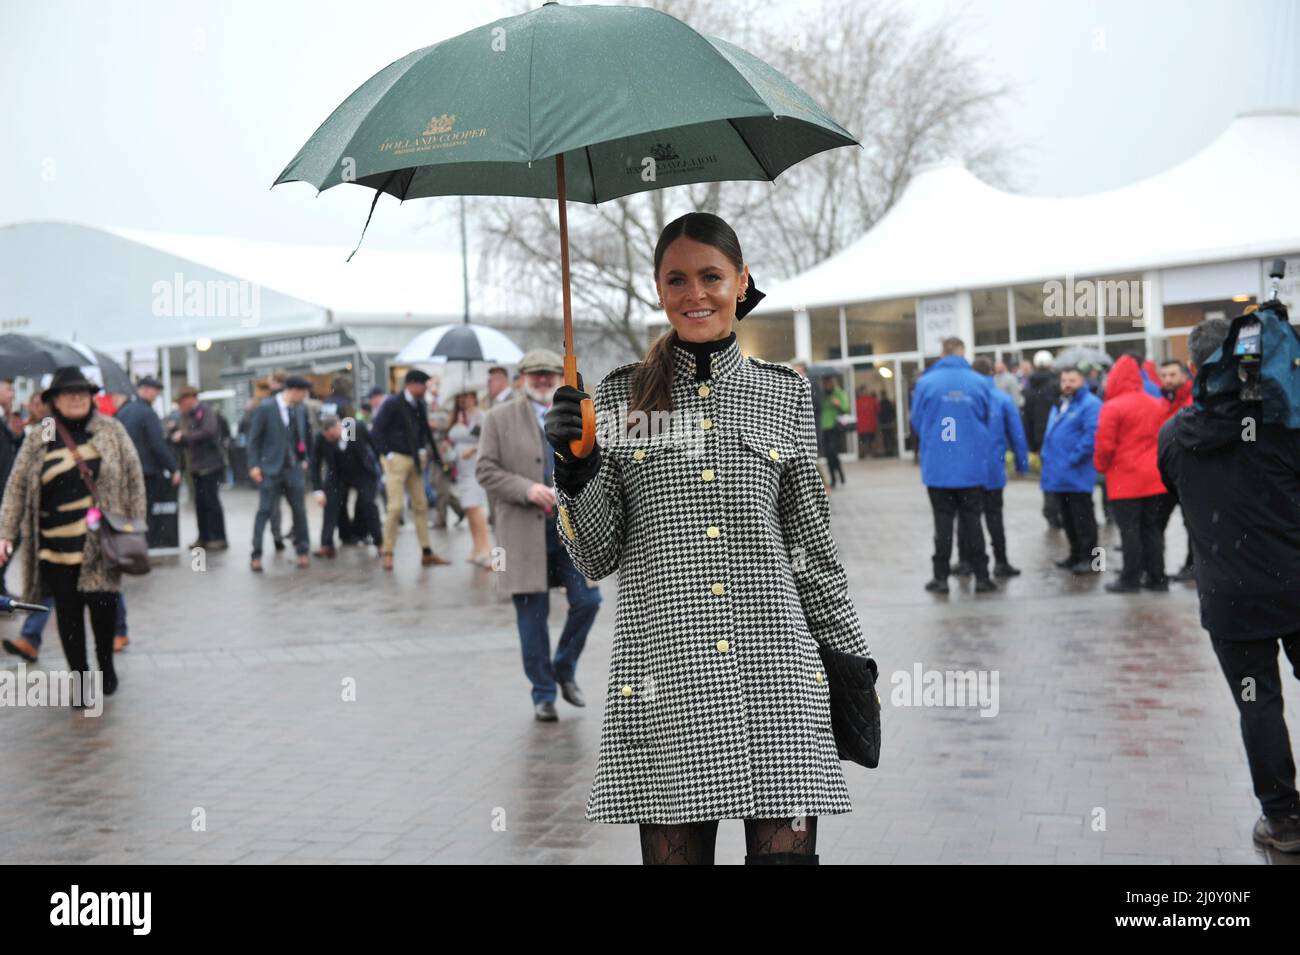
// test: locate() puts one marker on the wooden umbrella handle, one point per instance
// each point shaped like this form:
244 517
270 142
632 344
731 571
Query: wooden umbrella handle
580 447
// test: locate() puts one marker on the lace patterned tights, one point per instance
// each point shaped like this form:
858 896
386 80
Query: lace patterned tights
692 843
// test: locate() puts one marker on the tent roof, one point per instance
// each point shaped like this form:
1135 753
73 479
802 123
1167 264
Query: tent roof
376 282
1237 198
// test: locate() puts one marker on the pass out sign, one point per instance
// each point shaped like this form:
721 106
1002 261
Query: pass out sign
936 319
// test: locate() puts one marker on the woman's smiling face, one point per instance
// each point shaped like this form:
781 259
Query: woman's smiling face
699 287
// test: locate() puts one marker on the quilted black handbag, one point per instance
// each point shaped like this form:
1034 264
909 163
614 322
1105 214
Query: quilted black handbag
855 705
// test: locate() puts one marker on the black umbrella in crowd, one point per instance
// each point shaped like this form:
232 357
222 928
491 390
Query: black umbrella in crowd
26 356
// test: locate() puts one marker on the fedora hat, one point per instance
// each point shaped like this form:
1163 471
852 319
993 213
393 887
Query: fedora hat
68 378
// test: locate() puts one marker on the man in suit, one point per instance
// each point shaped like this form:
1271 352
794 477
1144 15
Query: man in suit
343 459
278 442
401 434
516 468
198 432
145 429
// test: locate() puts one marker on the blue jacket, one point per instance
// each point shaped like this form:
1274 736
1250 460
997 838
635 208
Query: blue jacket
1067 445
951 408
1005 429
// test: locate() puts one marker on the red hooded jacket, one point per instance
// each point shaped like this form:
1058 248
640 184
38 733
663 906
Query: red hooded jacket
1182 397
1125 447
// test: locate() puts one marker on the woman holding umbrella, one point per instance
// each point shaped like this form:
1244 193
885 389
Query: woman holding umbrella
717 706
48 502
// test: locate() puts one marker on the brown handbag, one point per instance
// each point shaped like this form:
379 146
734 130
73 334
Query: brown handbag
122 540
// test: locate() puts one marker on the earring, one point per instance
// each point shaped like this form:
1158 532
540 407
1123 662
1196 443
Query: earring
742 296
661 304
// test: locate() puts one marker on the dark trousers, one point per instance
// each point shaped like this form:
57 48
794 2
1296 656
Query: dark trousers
207 502
1141 536
1168 502
1052 509
532 611
964 504
365 526
993 520
831 439
1080 523
288 484
70 606
1263 724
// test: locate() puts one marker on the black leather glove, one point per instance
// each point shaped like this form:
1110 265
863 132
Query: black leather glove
563 423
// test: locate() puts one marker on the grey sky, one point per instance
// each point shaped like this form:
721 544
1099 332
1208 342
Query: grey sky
176 116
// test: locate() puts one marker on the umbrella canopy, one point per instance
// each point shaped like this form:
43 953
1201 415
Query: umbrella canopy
605 87
107 373
27 356
460 342
1082 355
626 99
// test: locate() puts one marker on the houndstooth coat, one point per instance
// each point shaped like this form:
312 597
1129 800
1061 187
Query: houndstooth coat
716 705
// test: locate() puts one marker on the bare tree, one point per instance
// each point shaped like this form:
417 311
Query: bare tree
910 95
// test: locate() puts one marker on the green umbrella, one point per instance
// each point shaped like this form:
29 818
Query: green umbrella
625 99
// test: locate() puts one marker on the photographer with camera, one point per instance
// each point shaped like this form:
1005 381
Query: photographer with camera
1238 480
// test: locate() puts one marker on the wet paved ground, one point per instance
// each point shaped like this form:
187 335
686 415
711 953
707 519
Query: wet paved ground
1111 710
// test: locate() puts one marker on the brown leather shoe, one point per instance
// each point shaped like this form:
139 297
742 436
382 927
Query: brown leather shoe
326 552
430 559
388 561
255 565
120 642
21 648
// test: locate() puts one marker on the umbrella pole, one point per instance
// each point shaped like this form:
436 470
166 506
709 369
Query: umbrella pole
581 447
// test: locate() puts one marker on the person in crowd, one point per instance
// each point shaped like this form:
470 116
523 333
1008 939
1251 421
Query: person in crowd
199 434
1176 389
952 411
801 369
402 435
344 459
698 525
278 460
1008 383
868 414
440 477
48 505
836 404
1125 452
275 385
374 398
1241 498
1005 431
464 436
516 467
498 388
142 423
28 644
888 425
10 442
1068 471
1042 391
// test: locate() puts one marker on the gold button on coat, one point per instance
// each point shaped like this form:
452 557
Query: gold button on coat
626 691
717 589
703 391
707 474
713 531
638 454
819 677
774 454
706 423
723 646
